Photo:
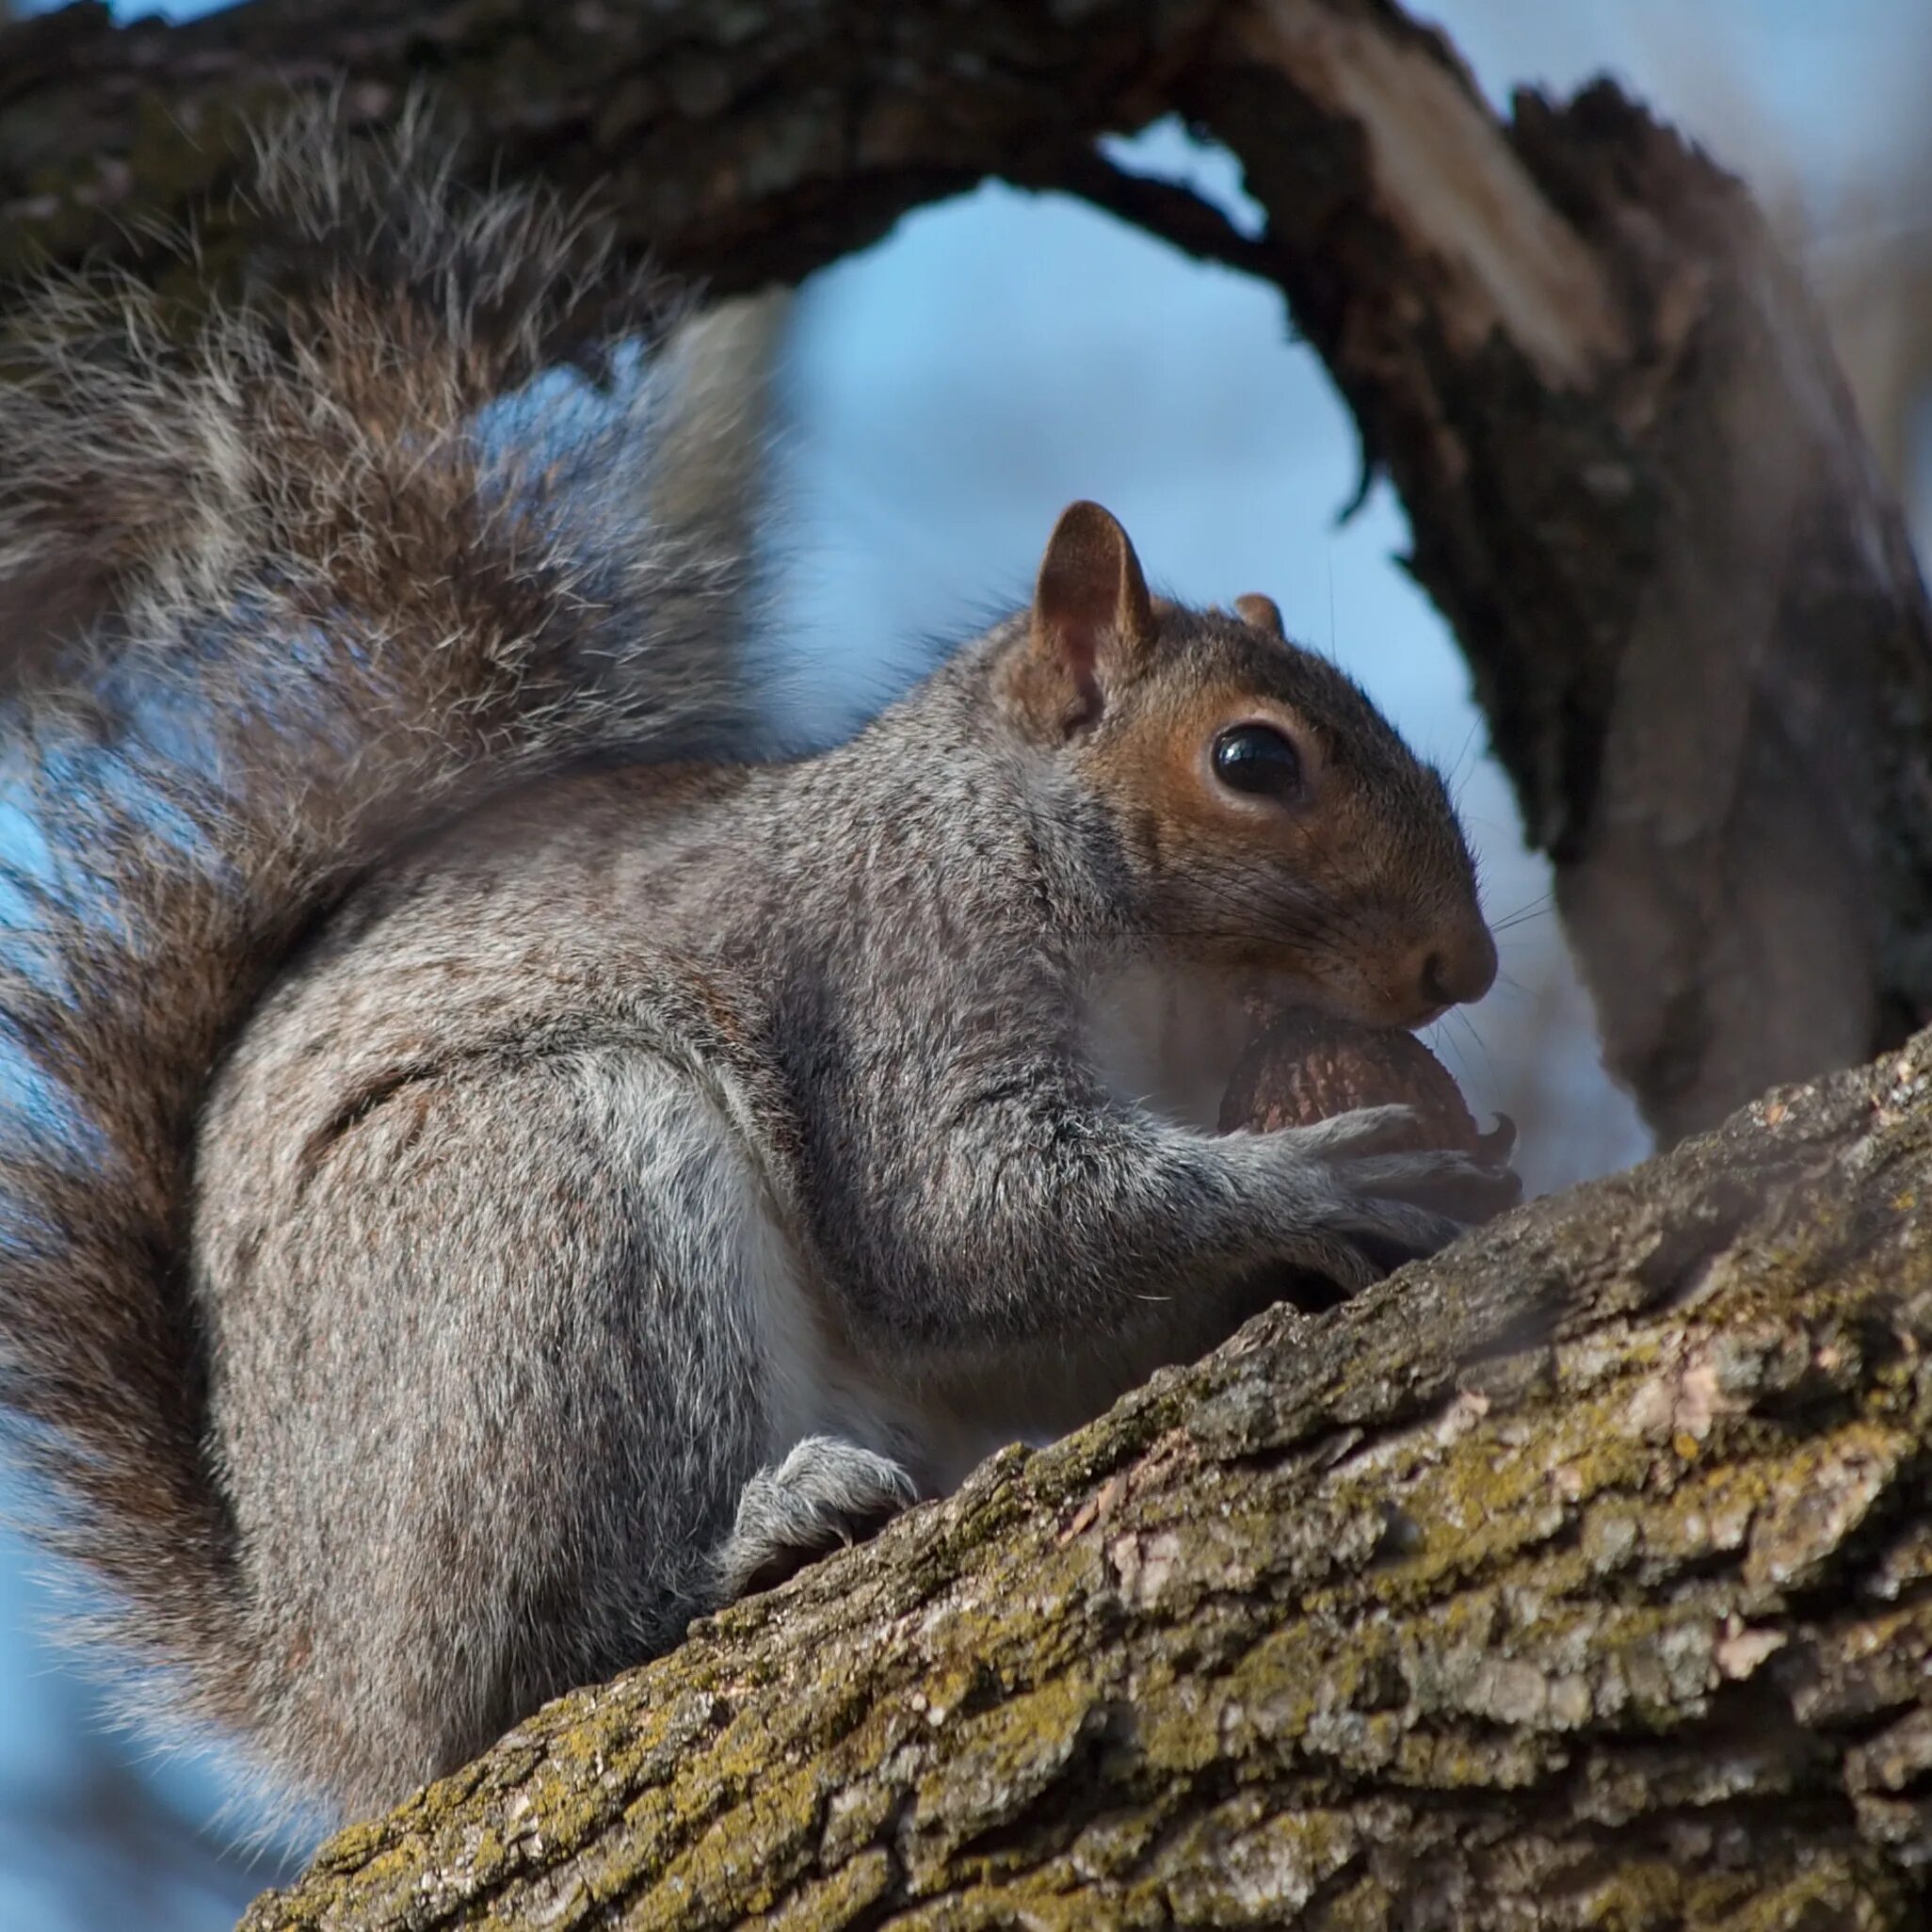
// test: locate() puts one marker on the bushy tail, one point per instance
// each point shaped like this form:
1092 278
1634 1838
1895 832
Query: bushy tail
340 562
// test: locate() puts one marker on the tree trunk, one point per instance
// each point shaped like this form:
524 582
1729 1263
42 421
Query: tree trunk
1581 1577
1636 483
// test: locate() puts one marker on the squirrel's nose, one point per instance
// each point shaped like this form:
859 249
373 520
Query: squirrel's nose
1461 969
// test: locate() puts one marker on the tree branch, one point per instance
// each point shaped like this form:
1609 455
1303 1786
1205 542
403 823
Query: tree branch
1639 492
742 145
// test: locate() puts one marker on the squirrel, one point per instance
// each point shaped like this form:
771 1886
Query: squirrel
491 1170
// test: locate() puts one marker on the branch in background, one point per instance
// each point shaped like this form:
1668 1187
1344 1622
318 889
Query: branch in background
1163 208
744 144
709 466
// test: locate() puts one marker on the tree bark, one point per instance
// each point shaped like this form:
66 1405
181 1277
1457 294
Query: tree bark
1637 486
1581 1577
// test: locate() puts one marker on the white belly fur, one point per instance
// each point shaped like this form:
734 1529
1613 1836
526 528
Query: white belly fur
1167 1039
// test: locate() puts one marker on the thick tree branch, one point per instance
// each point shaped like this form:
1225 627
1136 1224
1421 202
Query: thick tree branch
1579 1578
743 144
1636 484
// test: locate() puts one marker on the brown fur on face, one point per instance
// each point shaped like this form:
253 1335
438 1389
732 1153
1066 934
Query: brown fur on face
1358 895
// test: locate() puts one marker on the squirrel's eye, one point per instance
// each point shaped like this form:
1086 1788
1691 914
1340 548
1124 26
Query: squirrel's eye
1259 760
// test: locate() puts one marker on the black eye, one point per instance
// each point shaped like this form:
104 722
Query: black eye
1259 760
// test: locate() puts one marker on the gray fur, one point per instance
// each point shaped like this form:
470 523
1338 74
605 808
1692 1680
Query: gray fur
496 1245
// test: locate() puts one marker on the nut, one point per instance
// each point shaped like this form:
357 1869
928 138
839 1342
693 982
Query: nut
1308 1066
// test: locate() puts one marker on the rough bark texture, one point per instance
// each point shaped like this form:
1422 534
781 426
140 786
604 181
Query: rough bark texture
1636 484
1582 1577
746 141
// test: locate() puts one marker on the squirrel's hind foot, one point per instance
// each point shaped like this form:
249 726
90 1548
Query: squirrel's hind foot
827 1493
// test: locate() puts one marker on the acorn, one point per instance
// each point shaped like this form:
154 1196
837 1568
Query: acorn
1308 1066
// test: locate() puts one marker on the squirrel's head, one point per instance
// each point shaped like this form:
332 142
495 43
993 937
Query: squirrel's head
1272 820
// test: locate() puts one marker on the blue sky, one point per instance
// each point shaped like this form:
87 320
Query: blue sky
945 394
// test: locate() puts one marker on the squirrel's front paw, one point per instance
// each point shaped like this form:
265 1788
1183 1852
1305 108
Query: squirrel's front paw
826 1494
1464 1186
1390 1197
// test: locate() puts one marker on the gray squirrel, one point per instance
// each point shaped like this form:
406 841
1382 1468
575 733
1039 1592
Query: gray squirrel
490 1172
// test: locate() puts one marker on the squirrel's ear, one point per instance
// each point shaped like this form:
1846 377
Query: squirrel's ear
1093 622
1263 613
